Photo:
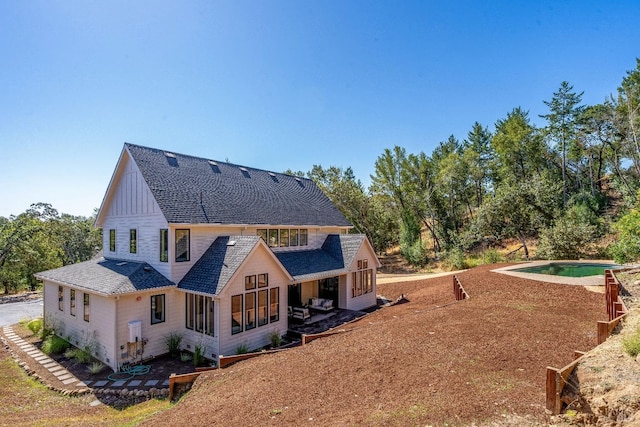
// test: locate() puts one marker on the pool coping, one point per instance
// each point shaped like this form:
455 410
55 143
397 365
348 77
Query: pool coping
597 280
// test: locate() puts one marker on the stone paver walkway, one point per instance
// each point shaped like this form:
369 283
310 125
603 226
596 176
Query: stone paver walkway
66 377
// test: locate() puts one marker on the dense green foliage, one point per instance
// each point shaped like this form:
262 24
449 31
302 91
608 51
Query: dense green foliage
40 239
560 186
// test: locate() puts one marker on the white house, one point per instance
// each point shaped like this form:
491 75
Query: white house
213 251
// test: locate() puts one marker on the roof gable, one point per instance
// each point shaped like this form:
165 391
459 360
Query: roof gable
107 276
336 256
220 262
193 190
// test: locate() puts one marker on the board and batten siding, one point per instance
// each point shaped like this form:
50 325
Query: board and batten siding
258 262
132 307
132 206
98 331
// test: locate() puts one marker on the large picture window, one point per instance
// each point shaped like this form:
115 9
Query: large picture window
362 280
199 314
182 245
236 314
256 308
164 245
157 309
112 240
304 237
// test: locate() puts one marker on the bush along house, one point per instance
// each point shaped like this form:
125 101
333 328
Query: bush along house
220 254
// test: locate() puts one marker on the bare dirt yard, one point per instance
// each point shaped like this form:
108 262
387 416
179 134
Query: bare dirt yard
427 361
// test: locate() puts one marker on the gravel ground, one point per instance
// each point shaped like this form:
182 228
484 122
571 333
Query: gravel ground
426 361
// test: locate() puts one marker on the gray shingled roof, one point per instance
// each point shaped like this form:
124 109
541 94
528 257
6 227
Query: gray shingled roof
108 276
336 255
195 191
218 264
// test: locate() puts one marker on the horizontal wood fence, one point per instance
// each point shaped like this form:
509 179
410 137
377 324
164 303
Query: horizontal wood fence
458 290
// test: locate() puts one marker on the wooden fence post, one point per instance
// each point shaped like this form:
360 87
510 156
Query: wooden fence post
553 397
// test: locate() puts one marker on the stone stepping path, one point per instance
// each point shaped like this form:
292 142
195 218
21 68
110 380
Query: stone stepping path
66 377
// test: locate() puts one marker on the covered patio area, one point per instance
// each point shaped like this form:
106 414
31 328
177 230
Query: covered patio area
322 322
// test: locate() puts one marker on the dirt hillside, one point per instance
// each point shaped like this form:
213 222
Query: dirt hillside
429 360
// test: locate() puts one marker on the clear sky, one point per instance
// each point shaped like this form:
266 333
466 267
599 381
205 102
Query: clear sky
279 84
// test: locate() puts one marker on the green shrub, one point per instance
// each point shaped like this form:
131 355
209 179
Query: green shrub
242 349
198 355
632 344
82 355
492 256
53 344
173 341
95 367
35 326
455 259
185 357
276 339
568 238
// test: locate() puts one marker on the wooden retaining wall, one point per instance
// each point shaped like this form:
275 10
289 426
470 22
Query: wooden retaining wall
458 290
616 311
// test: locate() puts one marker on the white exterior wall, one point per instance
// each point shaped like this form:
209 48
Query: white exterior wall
138 307
99 329
366 300
259 262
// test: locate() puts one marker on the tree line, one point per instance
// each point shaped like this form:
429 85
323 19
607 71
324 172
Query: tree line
41 239
565 185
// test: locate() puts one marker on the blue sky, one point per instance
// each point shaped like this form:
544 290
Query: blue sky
279 84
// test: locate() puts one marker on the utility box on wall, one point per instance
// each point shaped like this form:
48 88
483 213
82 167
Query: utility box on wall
135 331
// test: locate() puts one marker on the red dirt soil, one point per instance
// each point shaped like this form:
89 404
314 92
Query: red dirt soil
427 361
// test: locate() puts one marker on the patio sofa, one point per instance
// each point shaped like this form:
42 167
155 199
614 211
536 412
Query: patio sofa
321 304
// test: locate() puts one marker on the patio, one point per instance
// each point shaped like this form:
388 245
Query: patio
321 322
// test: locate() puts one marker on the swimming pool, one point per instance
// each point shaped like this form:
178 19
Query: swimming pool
569 269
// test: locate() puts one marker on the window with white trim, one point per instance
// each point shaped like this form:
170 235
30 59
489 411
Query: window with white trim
362 279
